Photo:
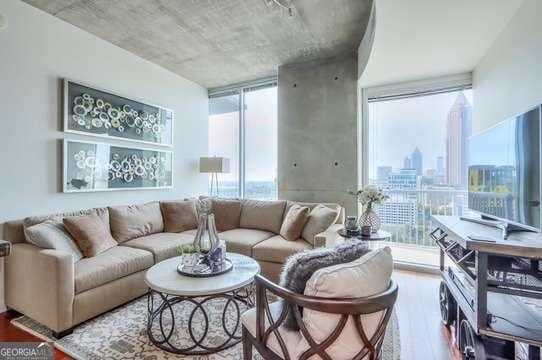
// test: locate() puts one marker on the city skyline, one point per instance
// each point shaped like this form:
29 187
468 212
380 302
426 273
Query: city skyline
400 123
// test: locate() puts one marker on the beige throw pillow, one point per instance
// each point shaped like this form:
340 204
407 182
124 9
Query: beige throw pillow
294 222
52 234
227 214
90 233
262 215
179 215
320 219
132 221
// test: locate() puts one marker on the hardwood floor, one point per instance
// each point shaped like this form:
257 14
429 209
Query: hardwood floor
422 335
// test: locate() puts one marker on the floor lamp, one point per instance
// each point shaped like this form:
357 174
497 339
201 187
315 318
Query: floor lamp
214 166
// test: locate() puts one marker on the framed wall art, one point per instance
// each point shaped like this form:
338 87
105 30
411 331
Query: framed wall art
91 111
94 166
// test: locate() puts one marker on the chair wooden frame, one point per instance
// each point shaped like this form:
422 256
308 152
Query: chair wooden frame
353 307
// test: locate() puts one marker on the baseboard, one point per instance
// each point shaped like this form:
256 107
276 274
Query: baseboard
426 269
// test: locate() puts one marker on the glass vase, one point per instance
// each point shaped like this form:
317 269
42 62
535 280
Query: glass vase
369 218
206 239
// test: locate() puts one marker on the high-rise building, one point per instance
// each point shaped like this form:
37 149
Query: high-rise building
407 164
404 179
383 176
417 161
458 130
440 165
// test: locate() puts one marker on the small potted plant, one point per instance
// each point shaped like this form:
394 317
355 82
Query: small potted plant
368 196
189 255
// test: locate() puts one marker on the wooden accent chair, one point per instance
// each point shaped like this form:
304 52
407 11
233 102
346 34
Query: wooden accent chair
360 321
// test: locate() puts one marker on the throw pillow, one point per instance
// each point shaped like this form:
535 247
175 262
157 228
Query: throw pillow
227 214
179 215
262 215
51 234
91 234
320 219
293 223
299 268
367 276
132 221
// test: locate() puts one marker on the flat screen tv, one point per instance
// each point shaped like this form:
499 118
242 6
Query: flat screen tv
504 171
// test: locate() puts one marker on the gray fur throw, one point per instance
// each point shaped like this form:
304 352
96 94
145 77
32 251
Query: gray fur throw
300 267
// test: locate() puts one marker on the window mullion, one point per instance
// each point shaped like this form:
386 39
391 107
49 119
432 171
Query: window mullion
242 144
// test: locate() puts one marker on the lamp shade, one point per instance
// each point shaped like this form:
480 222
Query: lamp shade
214 165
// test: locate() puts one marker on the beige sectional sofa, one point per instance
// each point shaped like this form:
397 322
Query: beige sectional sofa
48 286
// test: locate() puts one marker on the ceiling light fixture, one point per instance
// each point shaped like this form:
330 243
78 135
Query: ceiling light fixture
289 9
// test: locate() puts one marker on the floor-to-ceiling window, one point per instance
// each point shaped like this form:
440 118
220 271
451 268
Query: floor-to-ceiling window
224 139
418 154
243 128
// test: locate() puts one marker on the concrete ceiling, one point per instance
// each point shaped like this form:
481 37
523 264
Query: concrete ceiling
417 39
220 42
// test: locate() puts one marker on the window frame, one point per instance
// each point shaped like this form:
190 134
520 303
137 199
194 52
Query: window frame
241 89
409 89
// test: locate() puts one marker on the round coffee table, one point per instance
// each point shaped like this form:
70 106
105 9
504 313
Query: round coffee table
169 290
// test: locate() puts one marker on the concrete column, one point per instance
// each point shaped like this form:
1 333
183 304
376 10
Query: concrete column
317 131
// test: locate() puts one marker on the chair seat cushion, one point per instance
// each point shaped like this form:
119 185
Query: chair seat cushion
242 241
112 264
291 338
277 249
161 245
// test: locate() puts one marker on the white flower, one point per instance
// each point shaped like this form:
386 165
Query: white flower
370 194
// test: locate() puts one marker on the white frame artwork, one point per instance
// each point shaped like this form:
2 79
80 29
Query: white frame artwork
84 163
162 124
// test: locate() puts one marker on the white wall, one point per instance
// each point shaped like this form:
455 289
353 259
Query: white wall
508 79
36 51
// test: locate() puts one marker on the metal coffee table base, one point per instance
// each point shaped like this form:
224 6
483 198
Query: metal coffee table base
165 303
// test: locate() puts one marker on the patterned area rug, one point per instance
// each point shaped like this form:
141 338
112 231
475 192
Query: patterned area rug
122 334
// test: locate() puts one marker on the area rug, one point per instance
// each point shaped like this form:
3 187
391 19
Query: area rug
121 334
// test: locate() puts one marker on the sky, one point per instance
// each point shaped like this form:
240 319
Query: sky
396 127
260 137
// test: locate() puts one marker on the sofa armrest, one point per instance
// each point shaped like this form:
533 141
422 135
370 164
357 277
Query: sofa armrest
40 284
328 237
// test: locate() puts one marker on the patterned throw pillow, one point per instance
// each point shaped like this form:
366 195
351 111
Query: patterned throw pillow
51 234
91 234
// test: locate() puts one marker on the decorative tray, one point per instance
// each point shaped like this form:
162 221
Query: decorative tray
204 269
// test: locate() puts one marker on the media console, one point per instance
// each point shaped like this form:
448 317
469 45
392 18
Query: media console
491 290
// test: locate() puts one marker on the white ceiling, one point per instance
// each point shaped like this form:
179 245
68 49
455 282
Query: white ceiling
417 39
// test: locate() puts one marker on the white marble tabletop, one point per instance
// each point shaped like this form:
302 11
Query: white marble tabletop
163 277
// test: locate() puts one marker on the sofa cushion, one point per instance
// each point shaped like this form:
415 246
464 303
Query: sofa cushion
320 219
103 213
241 241
110 265
262 215
91 234
366 276
132 221
227 213
294 222
179 215
277 249
52 234
161 245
